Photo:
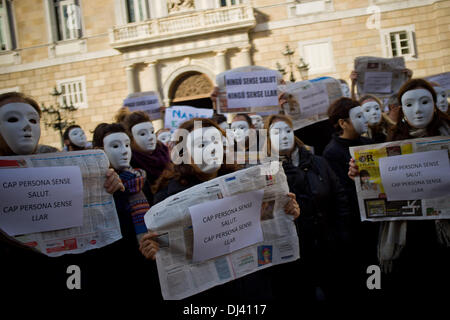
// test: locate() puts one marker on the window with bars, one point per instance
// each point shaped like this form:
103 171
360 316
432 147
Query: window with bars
73 92
7 36
399 42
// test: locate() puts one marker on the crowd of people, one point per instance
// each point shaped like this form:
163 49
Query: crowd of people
335 246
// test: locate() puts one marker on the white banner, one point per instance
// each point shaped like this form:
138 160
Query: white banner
176 115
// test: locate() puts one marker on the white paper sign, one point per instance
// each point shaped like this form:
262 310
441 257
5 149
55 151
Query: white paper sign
145 101
40 199
252 89
176 115
226 225
422 175
379 82
443 79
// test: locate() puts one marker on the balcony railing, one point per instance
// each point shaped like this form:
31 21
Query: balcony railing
181 26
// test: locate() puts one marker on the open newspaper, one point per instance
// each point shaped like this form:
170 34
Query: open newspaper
179 276
379 76
100 221
373 191
307 101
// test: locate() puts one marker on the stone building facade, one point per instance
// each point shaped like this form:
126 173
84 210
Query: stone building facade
98 52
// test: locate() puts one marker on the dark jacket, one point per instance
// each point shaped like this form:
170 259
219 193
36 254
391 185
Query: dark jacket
323 222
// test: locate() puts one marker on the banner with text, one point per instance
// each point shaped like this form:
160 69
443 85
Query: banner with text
404 180
144 101
176 115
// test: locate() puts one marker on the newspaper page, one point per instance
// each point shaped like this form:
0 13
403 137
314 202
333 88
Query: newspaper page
179 276
443 79
307 101
253 89
144 101
379 76
100 221
372 196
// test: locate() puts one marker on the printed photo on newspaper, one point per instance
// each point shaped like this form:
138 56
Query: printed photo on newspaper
193 258
51 187
404 180
307 102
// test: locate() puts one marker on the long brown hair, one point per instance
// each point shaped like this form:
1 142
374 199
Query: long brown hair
401 130
274 118
184 172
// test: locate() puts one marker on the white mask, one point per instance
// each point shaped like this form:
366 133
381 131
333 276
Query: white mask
372 112
19 127
144 136
117 148
164 137
358 120
441 103
257 121
205 148
418 107
345 90
281 137
240 130
77 137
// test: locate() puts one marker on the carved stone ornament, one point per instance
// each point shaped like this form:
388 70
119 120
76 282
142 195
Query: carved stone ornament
193 85
179 5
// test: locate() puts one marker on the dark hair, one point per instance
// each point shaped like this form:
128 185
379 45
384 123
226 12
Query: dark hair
67 131
18 96
133 118
340 109
247 118
219 118
104 129
393 100
416 84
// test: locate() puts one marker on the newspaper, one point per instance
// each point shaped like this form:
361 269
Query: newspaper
222 104
373 203
307 101
379 76
100 221
178 275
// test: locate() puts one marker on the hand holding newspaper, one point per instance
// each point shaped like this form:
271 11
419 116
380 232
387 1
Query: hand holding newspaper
180 276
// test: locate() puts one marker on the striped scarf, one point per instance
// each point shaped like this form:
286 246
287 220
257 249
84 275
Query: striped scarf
133 181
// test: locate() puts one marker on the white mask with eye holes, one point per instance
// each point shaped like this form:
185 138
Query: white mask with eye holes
164 137
144 136
281 137
372 112
240 130
257 121
205 148
359 121
345 90
19 127
418 107
77 137
117 148
441 95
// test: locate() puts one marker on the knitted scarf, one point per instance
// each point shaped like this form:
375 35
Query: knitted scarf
133 181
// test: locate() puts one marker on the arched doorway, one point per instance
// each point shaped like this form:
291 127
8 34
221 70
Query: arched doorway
191 88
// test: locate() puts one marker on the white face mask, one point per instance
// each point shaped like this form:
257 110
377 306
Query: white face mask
144 136
345 90
224 125
372 112
418 107
358 120
281 137
442 102
205 148
19 127
164 137
257 121
77 137
117 148
240 130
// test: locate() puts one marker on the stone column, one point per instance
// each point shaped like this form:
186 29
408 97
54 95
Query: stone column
152 75
131 79
245 57
221 61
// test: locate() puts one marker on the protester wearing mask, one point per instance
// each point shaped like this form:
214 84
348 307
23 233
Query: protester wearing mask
245 140
378 122
20 132
203 159
74 138
323 226
163 136
441 97
413 249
